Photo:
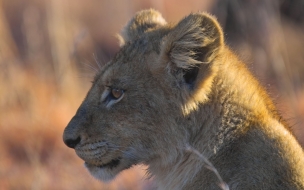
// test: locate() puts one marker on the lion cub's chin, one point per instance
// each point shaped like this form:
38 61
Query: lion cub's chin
107 173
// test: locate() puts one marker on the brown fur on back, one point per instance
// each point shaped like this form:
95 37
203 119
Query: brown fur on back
175 86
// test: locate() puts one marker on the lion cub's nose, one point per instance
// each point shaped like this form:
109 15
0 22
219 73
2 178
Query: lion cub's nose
72 142
71 136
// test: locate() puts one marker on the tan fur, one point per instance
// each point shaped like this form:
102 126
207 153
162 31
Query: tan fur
182 87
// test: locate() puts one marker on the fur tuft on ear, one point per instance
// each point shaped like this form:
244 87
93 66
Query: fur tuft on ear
197 39
143 21
190 49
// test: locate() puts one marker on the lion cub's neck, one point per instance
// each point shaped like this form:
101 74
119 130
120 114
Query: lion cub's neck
235 101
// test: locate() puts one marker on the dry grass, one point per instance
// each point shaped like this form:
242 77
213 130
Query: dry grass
222 184
42 83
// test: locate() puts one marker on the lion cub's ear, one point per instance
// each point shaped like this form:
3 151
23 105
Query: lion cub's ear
143 21
189 51
193 44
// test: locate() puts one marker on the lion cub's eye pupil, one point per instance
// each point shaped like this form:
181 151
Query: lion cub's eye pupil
116 93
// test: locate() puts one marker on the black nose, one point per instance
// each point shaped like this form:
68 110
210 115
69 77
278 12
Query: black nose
72 142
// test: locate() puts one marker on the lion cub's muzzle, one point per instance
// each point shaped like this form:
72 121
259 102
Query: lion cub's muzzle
92 151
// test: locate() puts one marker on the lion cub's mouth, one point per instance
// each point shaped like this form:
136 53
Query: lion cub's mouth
112 164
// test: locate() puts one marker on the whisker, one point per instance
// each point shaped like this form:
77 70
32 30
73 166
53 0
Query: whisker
124 152
85 76
97 62
116 146
90 66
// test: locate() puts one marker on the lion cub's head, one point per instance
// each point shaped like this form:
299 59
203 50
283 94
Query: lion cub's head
138 108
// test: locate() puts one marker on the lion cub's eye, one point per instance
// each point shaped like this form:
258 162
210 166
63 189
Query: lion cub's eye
111 96
116 93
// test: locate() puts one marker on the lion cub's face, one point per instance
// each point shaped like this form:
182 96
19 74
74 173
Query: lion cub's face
137 107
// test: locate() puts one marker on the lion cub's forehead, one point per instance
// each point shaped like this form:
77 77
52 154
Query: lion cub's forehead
133 60
123 70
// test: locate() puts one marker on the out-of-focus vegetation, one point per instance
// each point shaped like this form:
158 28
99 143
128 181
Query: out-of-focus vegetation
49 47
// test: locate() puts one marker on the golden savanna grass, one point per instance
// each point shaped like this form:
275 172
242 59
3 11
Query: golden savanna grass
47 49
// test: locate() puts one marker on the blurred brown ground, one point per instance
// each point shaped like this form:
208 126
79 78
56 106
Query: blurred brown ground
48 49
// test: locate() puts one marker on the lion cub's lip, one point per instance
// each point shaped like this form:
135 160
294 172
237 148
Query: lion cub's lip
112 164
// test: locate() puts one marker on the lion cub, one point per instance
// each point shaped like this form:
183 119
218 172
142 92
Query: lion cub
175 86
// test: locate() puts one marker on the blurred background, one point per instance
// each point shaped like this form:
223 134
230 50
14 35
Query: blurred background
49 50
